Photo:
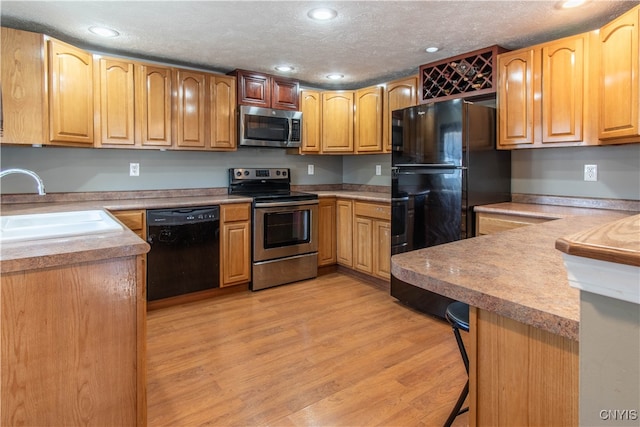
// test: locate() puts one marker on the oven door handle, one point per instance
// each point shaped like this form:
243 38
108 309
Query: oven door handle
284 204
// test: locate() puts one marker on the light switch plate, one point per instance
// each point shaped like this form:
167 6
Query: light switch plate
378 170
310 170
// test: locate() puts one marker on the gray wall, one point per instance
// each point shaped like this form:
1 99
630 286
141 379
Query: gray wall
551 171
559 171
86 170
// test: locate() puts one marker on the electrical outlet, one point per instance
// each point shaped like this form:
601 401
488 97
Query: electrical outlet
310 170
590 172
378 170
134 169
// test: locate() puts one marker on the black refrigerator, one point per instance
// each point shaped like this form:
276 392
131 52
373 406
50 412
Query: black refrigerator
444 162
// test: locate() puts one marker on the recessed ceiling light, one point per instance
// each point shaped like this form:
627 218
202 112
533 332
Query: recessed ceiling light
285 68
431 49
572 3
322 14
335 76
104 31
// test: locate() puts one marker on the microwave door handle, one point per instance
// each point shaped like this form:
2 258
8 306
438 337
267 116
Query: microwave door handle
290 127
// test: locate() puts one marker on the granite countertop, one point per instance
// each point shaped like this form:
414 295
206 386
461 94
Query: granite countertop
517 273
617 242
365 196
540 211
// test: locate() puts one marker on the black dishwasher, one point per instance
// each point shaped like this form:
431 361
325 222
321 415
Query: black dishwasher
185 251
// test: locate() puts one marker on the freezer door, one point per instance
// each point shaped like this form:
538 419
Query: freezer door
429 134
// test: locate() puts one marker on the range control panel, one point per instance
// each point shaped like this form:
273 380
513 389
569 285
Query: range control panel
252 173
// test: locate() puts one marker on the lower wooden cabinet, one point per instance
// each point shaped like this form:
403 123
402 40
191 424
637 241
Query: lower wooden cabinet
235 244
372 239
327 231
344 226
489 223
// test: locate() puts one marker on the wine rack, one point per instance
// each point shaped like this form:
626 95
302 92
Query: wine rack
468 75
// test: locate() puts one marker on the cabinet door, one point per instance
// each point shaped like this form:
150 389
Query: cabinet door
311 108
70 94
327 231
337 122
191 101
344 223
515 98
222 114
382 249
563 74
253 89
285 94
363 244
398 94
22 82
235 244
368 120
619 68
153 105
114 88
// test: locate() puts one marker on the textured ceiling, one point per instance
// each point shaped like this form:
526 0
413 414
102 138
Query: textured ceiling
369 41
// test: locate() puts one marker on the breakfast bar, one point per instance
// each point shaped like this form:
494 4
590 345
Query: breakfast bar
524 317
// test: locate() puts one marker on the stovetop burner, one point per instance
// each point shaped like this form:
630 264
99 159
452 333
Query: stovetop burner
265 185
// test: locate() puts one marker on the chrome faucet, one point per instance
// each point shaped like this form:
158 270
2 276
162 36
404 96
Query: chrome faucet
26 172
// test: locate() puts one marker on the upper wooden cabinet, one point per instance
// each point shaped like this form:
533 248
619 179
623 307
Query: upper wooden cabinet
190 104
367 120
619 89
398 94
71 106
311 107
264 90
543 95
24 103
222 112
115 90
337 122
153 105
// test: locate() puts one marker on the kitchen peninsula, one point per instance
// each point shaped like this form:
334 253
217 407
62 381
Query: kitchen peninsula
524 317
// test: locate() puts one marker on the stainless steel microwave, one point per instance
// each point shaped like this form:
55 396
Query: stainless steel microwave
268 127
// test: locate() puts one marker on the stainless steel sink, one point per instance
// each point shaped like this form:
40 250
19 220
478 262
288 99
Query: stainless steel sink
55 224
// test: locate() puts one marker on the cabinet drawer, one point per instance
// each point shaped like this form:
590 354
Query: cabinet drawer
494 223
373 210
236 212
134 220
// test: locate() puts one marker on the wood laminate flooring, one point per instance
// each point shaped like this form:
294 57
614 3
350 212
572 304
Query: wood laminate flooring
333 351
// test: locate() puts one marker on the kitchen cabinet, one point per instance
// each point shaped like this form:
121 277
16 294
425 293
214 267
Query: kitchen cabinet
398 94
73 344
311 107
344 226
24 104
544 95
190 103
235 244
489 223
153 105
337 122
618 79
327 231
114 85
520 374
264 90
133 104
372 239
205 111
71 103
367 120
222 112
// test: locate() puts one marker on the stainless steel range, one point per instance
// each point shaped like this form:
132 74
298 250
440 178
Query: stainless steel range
285 226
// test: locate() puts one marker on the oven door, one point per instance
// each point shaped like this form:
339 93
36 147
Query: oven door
282 229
